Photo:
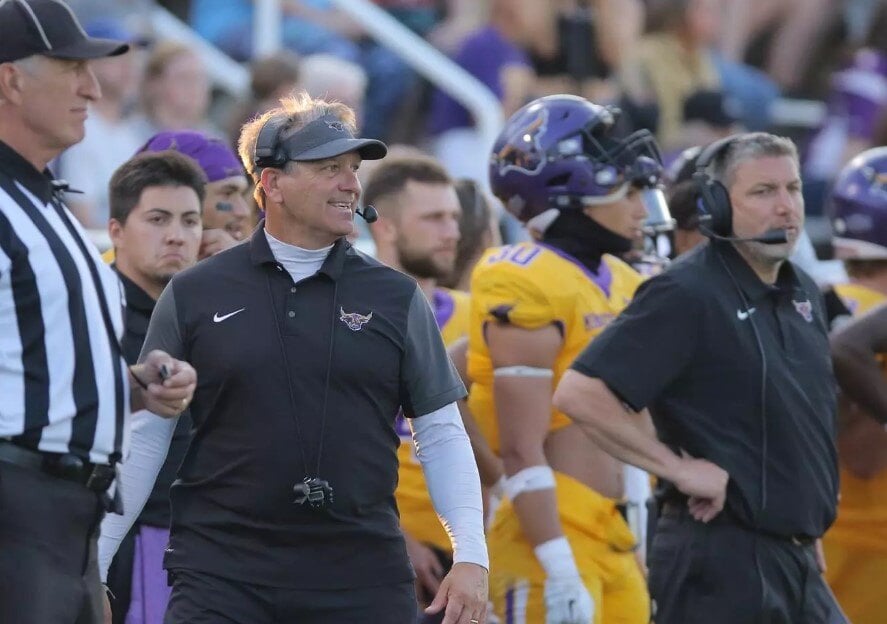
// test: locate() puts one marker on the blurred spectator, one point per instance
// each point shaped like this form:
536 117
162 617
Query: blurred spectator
575 45
332 78
494 56
445 23
706 117
857 102
111 135
462 17
478 231
175 92
314 27
796 25
271 78
677 57
673 61
309 27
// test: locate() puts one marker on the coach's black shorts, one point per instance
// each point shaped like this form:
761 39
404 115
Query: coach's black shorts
200 598
726 574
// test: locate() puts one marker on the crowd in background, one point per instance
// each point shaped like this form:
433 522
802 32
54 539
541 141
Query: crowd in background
689 70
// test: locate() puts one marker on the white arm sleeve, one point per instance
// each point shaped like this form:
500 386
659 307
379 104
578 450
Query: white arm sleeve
149 444
444 451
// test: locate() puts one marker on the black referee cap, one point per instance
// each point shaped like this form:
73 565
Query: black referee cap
49 28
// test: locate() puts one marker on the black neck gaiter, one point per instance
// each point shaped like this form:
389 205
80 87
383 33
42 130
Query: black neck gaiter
585 239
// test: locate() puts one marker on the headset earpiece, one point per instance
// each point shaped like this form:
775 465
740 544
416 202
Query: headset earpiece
268 152
713 199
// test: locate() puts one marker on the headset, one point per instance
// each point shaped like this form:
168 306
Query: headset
713 200
268 152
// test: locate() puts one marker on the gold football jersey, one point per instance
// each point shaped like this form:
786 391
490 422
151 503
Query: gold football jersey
532 285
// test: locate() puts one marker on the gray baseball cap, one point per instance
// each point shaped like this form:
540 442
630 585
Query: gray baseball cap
328 137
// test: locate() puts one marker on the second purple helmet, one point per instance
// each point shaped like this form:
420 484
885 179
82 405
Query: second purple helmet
561 152
859 207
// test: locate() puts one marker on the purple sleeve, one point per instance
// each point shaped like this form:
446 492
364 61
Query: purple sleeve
483 54
860 93
862 114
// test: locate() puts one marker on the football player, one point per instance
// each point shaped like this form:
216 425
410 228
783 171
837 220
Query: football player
856 545
561 550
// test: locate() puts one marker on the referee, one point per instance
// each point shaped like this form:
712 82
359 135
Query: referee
64 388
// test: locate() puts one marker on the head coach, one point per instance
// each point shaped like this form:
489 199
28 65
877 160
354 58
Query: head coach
729 351
284 509
64 387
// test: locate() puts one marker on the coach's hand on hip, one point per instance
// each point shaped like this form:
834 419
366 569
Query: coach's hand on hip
167 384
706 485
464 592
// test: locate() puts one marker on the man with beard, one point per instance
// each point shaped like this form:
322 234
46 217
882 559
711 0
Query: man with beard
416 233
155 201
561 550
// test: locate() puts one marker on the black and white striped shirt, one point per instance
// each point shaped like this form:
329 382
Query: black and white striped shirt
63 380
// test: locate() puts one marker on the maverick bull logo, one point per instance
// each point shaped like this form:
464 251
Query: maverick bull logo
353 320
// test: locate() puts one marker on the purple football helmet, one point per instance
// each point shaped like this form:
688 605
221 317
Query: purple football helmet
859 207
560 152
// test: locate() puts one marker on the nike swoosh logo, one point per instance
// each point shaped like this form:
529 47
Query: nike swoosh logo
218 318
744 315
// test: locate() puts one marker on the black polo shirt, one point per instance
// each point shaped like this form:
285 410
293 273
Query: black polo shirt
686 348
139 306
354 341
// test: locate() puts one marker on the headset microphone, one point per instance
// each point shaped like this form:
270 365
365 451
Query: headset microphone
770 237
369 214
